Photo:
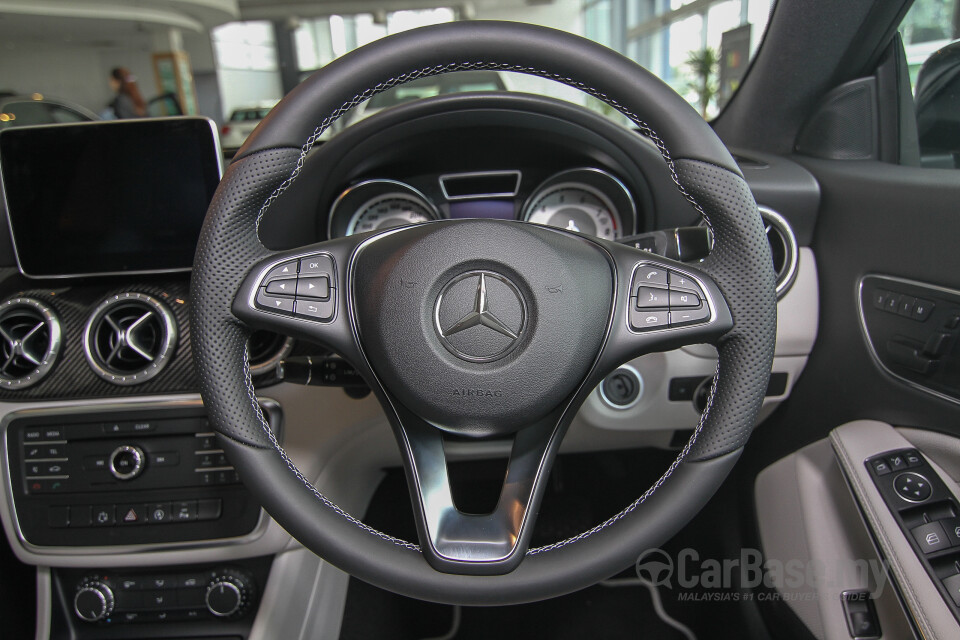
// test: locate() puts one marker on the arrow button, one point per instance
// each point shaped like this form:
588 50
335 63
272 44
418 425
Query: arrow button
281 304
318 288
286 287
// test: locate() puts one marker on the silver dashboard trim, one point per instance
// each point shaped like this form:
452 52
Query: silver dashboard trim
54 343
10 411
481 174
866 334
161 359
569 176
416 193
6 208
793 259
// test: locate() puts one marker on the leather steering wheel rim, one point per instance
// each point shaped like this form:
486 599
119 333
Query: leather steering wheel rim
703 171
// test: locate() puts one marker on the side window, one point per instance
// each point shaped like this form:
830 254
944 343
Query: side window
61 114
931 37
28 113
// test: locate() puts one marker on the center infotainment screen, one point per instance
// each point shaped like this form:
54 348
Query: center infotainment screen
125 196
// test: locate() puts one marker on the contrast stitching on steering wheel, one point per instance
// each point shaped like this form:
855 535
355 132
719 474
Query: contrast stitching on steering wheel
645 129
649 492
296 471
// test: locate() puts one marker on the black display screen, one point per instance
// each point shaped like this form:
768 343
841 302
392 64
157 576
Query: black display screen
125 196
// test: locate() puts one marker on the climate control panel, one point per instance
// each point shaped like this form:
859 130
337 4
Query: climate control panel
202 600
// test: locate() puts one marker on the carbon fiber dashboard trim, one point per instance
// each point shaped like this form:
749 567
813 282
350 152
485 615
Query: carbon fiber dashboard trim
72 378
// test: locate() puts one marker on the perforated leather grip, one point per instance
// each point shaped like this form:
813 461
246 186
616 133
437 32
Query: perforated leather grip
227 248
741 265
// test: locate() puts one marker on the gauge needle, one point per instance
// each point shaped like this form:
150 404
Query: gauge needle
572 226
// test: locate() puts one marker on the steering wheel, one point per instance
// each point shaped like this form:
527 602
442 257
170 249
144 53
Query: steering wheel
482 328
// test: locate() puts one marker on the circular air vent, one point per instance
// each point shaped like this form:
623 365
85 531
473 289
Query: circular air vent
30 334
130 338
266 349
783 246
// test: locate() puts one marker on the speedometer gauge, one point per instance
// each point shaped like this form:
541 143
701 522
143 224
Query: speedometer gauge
576 207
375 205
388 211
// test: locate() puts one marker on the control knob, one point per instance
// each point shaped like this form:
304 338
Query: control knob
126 462
93 601
228 594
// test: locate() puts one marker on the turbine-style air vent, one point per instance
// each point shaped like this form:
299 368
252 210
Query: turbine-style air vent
266 349
30 336
130 338
783 246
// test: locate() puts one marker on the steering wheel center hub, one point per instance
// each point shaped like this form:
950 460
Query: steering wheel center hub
472 324
480 316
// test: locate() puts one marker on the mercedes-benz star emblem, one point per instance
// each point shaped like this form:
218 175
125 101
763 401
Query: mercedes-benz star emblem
480 316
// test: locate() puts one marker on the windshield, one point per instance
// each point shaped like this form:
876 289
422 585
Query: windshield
231 61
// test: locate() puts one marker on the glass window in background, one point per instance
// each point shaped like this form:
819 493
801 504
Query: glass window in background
931 40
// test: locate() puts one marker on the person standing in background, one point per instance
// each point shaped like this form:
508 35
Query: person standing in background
128 102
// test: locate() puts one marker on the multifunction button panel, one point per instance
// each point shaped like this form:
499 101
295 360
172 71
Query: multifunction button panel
662 297
305 287
133 477
927 513
913 330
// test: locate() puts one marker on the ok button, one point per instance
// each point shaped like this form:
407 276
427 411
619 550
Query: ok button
912 487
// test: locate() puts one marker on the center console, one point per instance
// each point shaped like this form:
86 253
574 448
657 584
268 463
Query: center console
124 477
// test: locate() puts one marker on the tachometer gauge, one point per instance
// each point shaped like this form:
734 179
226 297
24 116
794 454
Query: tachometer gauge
576 207
375 205
388 211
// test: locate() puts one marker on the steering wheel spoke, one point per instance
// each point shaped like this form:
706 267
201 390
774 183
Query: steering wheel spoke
662 305
476 544
301 293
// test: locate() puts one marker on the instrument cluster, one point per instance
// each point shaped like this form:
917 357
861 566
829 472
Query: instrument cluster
586 200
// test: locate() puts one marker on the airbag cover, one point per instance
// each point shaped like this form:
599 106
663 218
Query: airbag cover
481 328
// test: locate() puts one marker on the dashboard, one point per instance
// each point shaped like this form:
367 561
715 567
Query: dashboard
143 518
587 200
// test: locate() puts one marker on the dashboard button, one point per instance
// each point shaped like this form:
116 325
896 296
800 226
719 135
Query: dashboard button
286 287
643 320
315 309
317 287
209 509
931 537
161 582
164 459
649 274
652 298
683 299
80 516
159 599
158 512
280 304
912 458
104 515
131 514
319 265
284 270
683 316
185 511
